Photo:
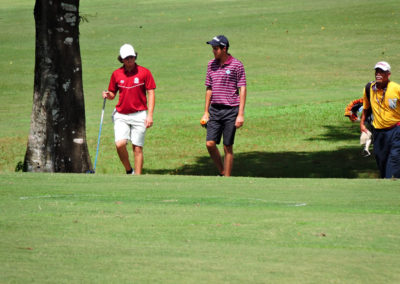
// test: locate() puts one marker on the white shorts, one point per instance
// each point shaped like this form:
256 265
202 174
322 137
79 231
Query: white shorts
130 127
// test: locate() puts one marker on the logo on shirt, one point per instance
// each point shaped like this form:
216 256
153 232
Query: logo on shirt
393 103
228 72
122 81
136 80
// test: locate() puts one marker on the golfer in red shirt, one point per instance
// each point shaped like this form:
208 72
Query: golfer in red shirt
133 113
225 101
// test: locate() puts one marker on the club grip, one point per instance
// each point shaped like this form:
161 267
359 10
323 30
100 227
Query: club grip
104 103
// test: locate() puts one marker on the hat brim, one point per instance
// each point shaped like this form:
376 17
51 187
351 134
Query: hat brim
129 55
384 69
213 43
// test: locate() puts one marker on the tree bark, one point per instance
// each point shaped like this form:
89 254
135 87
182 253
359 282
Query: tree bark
57 139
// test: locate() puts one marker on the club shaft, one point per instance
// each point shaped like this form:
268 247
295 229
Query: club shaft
98 139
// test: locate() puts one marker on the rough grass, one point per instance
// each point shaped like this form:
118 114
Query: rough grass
305 60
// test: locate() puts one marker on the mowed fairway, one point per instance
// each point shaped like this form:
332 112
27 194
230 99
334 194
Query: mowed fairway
164 229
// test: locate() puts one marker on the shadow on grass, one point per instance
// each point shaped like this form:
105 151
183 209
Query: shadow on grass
339 133
342 163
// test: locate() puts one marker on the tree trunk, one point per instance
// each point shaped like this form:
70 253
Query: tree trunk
57 139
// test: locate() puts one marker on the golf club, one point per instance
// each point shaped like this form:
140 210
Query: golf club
98 139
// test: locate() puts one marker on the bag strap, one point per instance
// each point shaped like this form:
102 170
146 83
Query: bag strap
368 95
368 90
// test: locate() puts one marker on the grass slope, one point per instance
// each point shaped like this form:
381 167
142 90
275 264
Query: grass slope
305 61
120 229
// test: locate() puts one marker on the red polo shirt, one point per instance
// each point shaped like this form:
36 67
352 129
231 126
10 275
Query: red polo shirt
132 88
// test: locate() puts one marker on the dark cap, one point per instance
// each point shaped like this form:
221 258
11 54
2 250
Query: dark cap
219 41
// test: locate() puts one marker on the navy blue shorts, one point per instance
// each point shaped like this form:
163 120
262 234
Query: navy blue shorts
387 151
222 123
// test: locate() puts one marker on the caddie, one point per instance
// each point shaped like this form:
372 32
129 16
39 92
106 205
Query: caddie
384 101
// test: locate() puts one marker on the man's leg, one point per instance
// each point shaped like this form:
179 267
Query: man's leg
123 154
381 151
229 131
228 160
138 153
393 163
215 156
121 131
137 134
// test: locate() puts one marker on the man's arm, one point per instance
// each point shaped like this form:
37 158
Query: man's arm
363 128
151 101
207 104
366 108
240 118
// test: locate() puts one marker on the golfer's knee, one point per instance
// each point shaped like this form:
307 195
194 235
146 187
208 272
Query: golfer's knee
137 149
228 149
211 145
120 144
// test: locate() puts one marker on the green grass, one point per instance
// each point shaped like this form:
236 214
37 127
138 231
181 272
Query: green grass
305 61
152 229
305 207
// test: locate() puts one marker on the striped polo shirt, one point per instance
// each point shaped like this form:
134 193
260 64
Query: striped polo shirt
225 81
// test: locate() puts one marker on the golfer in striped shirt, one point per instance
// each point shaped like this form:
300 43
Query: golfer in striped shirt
225 101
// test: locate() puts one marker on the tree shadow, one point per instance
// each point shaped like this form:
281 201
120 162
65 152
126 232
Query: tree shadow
345 162
341 163
339 133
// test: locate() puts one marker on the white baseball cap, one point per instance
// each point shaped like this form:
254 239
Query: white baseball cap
127 50
382 65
